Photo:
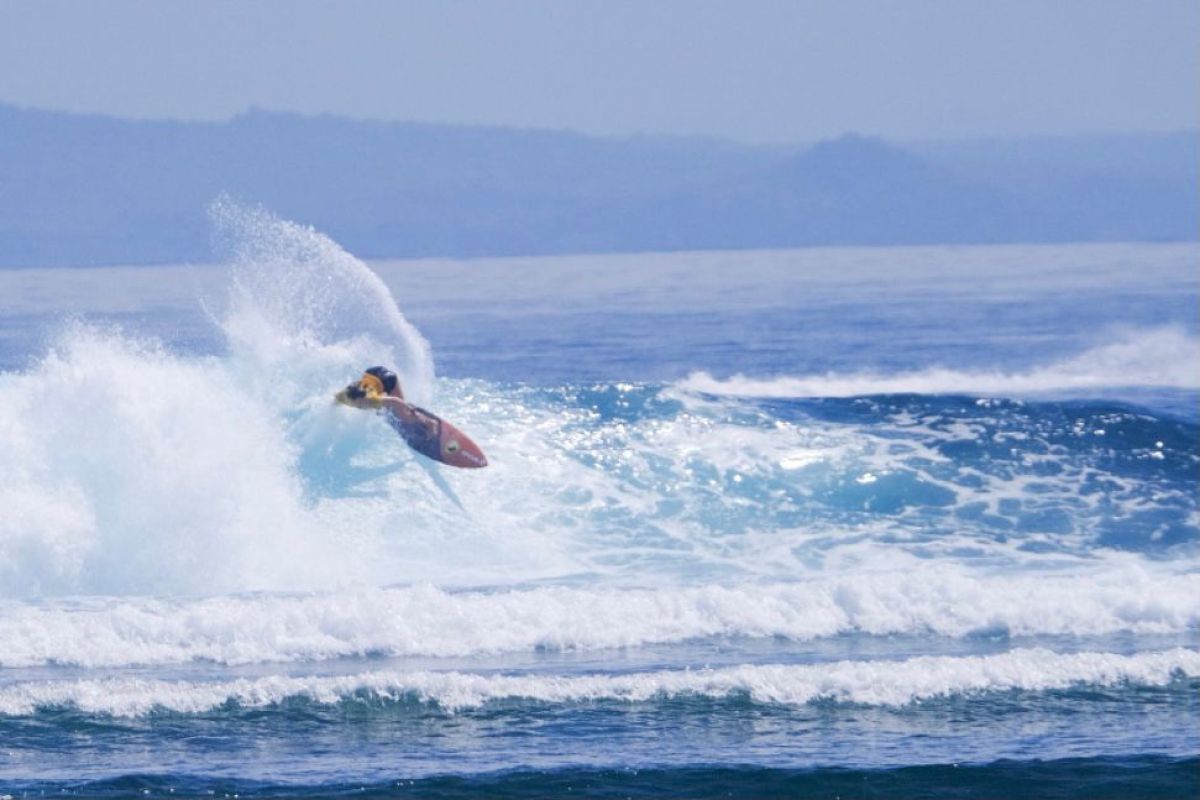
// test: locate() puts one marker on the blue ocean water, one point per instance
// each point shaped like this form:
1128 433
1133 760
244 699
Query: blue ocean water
884 522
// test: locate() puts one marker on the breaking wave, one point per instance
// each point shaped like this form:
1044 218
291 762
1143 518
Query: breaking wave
877 683
1162 357
930 599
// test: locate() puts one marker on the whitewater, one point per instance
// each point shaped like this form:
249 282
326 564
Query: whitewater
797 512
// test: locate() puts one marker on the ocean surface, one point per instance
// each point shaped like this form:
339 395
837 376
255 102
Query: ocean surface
889 522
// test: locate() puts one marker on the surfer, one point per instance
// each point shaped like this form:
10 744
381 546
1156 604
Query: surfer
423 431
379 388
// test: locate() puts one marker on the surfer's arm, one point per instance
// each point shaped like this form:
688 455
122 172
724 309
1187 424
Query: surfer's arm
361 395
365 402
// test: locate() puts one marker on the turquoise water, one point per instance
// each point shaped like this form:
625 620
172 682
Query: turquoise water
858 522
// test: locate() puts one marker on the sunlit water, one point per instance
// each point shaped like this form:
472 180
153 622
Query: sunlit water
764 522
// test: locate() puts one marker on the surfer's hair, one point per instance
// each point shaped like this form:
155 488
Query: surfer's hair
385 376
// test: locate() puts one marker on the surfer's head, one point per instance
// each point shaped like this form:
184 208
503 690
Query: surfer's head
370 390
380 379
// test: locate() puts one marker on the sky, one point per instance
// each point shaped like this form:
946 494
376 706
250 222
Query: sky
750 70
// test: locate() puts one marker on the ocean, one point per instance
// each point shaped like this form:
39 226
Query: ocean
857 522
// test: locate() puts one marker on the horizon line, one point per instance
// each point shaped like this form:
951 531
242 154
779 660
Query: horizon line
715 139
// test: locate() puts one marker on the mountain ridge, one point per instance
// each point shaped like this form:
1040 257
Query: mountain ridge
86 190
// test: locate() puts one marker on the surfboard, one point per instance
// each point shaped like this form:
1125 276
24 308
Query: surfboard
437 439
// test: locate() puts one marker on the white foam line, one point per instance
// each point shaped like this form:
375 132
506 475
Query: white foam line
1163 357
911 598
876 683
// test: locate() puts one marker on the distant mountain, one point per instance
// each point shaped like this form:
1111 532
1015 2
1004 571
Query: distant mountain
853 190
81 190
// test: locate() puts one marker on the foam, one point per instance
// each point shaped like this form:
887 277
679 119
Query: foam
132 489
873 683
1162 357
911 598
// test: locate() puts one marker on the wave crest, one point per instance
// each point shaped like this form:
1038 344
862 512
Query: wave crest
874 683
1162 357
426 621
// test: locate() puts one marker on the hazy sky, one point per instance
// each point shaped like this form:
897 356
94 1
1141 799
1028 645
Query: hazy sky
789 71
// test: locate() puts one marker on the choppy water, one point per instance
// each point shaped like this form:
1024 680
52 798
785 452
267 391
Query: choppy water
915 522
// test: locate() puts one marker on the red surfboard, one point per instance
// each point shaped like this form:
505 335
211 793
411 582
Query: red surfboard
434 437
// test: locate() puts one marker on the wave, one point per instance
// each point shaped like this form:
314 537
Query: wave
930 599
183 475
873 683
215 483
1163 357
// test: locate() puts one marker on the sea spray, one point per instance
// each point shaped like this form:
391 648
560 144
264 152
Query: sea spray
132 469
299 304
